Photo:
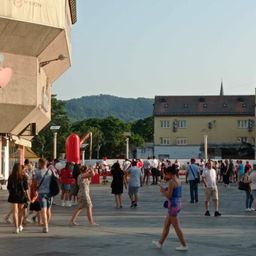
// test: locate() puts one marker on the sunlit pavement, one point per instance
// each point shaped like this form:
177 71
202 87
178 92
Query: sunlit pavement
130 231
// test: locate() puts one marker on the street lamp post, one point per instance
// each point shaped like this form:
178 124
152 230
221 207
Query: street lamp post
55 129
127 147
206 147
127 135
83 146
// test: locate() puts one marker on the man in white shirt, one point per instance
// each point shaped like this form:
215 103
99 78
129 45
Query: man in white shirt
210 182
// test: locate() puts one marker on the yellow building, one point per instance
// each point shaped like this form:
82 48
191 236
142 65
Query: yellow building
182 122
35 50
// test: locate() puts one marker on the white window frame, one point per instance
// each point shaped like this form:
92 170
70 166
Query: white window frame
164 141
165 124
243 139
180 141
242 124
182 124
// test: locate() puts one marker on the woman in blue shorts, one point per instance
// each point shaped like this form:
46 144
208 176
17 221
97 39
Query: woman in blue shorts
173 194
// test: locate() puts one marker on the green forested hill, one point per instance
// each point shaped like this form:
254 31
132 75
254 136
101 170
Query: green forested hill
102 106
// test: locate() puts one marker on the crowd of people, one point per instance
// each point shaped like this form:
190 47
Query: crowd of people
31 188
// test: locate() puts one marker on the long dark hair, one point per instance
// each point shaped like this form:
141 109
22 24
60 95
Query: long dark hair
17 173
116 166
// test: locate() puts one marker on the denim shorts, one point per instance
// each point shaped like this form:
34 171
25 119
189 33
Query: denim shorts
45 200
133 190
66 187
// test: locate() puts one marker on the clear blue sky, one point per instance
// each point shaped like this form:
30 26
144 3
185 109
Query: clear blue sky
143 48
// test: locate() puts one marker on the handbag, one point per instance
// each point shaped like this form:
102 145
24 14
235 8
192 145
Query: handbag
197 180
244 186
165 204
54 186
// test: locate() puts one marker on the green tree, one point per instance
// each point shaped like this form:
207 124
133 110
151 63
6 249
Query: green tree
144 128
42 144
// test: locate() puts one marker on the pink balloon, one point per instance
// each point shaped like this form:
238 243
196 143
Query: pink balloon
5 76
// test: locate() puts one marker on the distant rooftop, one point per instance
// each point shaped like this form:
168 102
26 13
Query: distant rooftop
204 105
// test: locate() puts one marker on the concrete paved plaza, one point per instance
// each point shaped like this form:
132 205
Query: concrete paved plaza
130 231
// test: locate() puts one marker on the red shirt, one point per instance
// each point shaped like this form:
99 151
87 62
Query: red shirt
66 176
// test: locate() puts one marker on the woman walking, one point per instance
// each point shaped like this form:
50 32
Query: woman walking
83 196
117 184
226 173
18 195
249 197
173 194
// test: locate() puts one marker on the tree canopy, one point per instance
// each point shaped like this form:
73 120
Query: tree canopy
108 133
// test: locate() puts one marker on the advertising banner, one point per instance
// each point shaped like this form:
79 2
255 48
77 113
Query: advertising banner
44 12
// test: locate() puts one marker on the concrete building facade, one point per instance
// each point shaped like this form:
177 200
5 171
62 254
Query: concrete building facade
35 47
181 124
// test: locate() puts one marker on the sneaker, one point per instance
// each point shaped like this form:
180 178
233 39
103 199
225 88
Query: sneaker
45 230
192 202
132 205
16 231
69 204
247 209
252 209
34 219
157 244
135 205
62 203
182 248
207 213
217 214
20 228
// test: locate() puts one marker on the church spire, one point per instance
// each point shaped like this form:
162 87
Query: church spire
221 89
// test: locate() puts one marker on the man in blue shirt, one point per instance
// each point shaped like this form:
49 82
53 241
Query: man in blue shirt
240 170
134 181
193 176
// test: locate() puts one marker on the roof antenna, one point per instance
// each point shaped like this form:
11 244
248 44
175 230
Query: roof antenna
221 88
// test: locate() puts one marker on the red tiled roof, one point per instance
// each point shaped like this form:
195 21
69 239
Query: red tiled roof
204 105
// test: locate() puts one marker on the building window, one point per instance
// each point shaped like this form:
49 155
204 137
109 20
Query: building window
164 124
242 139
181 141
164 141
243 105
182 124
166 105
204 105
225 105
242 124
185 105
